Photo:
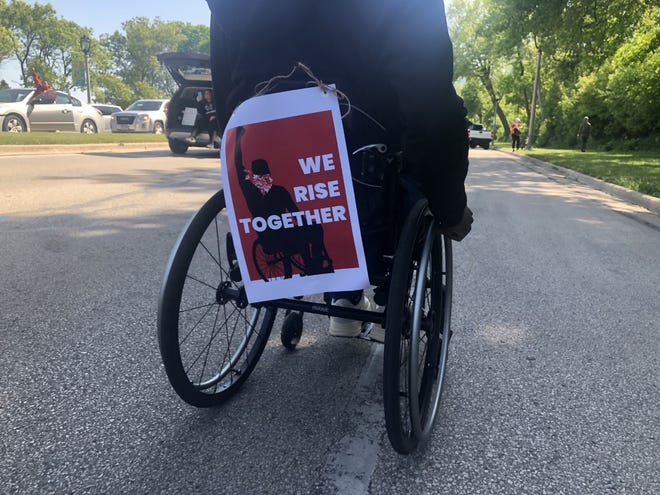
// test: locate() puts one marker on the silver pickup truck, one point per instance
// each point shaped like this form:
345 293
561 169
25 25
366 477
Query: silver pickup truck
480 136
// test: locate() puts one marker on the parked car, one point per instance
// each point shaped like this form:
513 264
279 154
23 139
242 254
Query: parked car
141 116
106 114
23 110
192 73
479 136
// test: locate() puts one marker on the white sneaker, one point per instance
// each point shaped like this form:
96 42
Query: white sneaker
342 327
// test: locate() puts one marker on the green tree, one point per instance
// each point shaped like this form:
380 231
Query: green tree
633 85
5 33
128 61
487 53
196 38
27 24
598 59
39 40
59 47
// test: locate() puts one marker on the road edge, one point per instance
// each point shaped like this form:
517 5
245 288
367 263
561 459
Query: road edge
44 149
651 203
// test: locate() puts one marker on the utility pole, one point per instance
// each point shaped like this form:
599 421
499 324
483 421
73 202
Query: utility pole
532 113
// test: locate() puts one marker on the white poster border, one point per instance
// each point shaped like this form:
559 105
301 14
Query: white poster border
280 106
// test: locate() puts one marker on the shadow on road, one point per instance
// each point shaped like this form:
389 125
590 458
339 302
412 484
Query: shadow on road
193 153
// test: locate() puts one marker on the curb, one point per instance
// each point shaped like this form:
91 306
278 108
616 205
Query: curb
651 203
41 149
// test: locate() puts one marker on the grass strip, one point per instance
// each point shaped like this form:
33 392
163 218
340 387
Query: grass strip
637 170
36 138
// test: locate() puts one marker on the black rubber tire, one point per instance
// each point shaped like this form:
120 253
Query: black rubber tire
210 339
159 127
14 123
418 315
88 127
291 331
177 147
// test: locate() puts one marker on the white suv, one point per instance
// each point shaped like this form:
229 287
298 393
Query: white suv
142 116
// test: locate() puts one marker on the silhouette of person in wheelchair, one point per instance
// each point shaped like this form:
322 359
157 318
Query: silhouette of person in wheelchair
276 252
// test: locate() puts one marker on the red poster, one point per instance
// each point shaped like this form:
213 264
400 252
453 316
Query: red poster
289 196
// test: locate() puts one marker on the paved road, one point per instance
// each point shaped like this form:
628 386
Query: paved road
552 388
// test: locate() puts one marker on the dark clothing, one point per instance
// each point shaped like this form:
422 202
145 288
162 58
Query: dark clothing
585 130
307 240
392 58
275 202
515 139
584 133
206 118
206 109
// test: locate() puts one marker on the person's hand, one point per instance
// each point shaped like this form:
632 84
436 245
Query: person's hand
461 229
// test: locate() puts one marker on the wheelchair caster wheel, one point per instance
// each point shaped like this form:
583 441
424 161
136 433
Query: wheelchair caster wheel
291 330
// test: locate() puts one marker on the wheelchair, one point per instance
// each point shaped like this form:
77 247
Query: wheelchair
274 257
211 337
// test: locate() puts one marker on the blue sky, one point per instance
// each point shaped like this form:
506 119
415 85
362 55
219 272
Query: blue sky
107 17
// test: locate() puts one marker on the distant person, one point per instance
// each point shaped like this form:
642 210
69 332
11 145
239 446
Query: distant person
43 89
206 119
583 133
516 131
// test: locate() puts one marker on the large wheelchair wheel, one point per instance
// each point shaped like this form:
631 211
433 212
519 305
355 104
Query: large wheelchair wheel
417 330
210 338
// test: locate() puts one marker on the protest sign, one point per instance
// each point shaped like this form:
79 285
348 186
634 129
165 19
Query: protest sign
290 202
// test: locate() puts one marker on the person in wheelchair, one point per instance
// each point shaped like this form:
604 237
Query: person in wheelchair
264 198
394 61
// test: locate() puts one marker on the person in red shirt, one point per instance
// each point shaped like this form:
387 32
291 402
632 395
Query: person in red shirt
43 89
516 131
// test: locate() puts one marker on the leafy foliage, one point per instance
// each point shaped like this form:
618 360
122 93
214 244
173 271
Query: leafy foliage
600 59
123 64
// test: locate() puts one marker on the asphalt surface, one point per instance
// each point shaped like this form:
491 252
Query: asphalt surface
649 202
552 385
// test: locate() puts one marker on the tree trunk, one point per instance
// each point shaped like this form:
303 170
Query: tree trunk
532 114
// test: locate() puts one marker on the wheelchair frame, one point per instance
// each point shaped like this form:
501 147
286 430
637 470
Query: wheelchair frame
211 338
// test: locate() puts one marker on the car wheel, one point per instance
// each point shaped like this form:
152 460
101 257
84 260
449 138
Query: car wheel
178 147
159 128
14 123
88 127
